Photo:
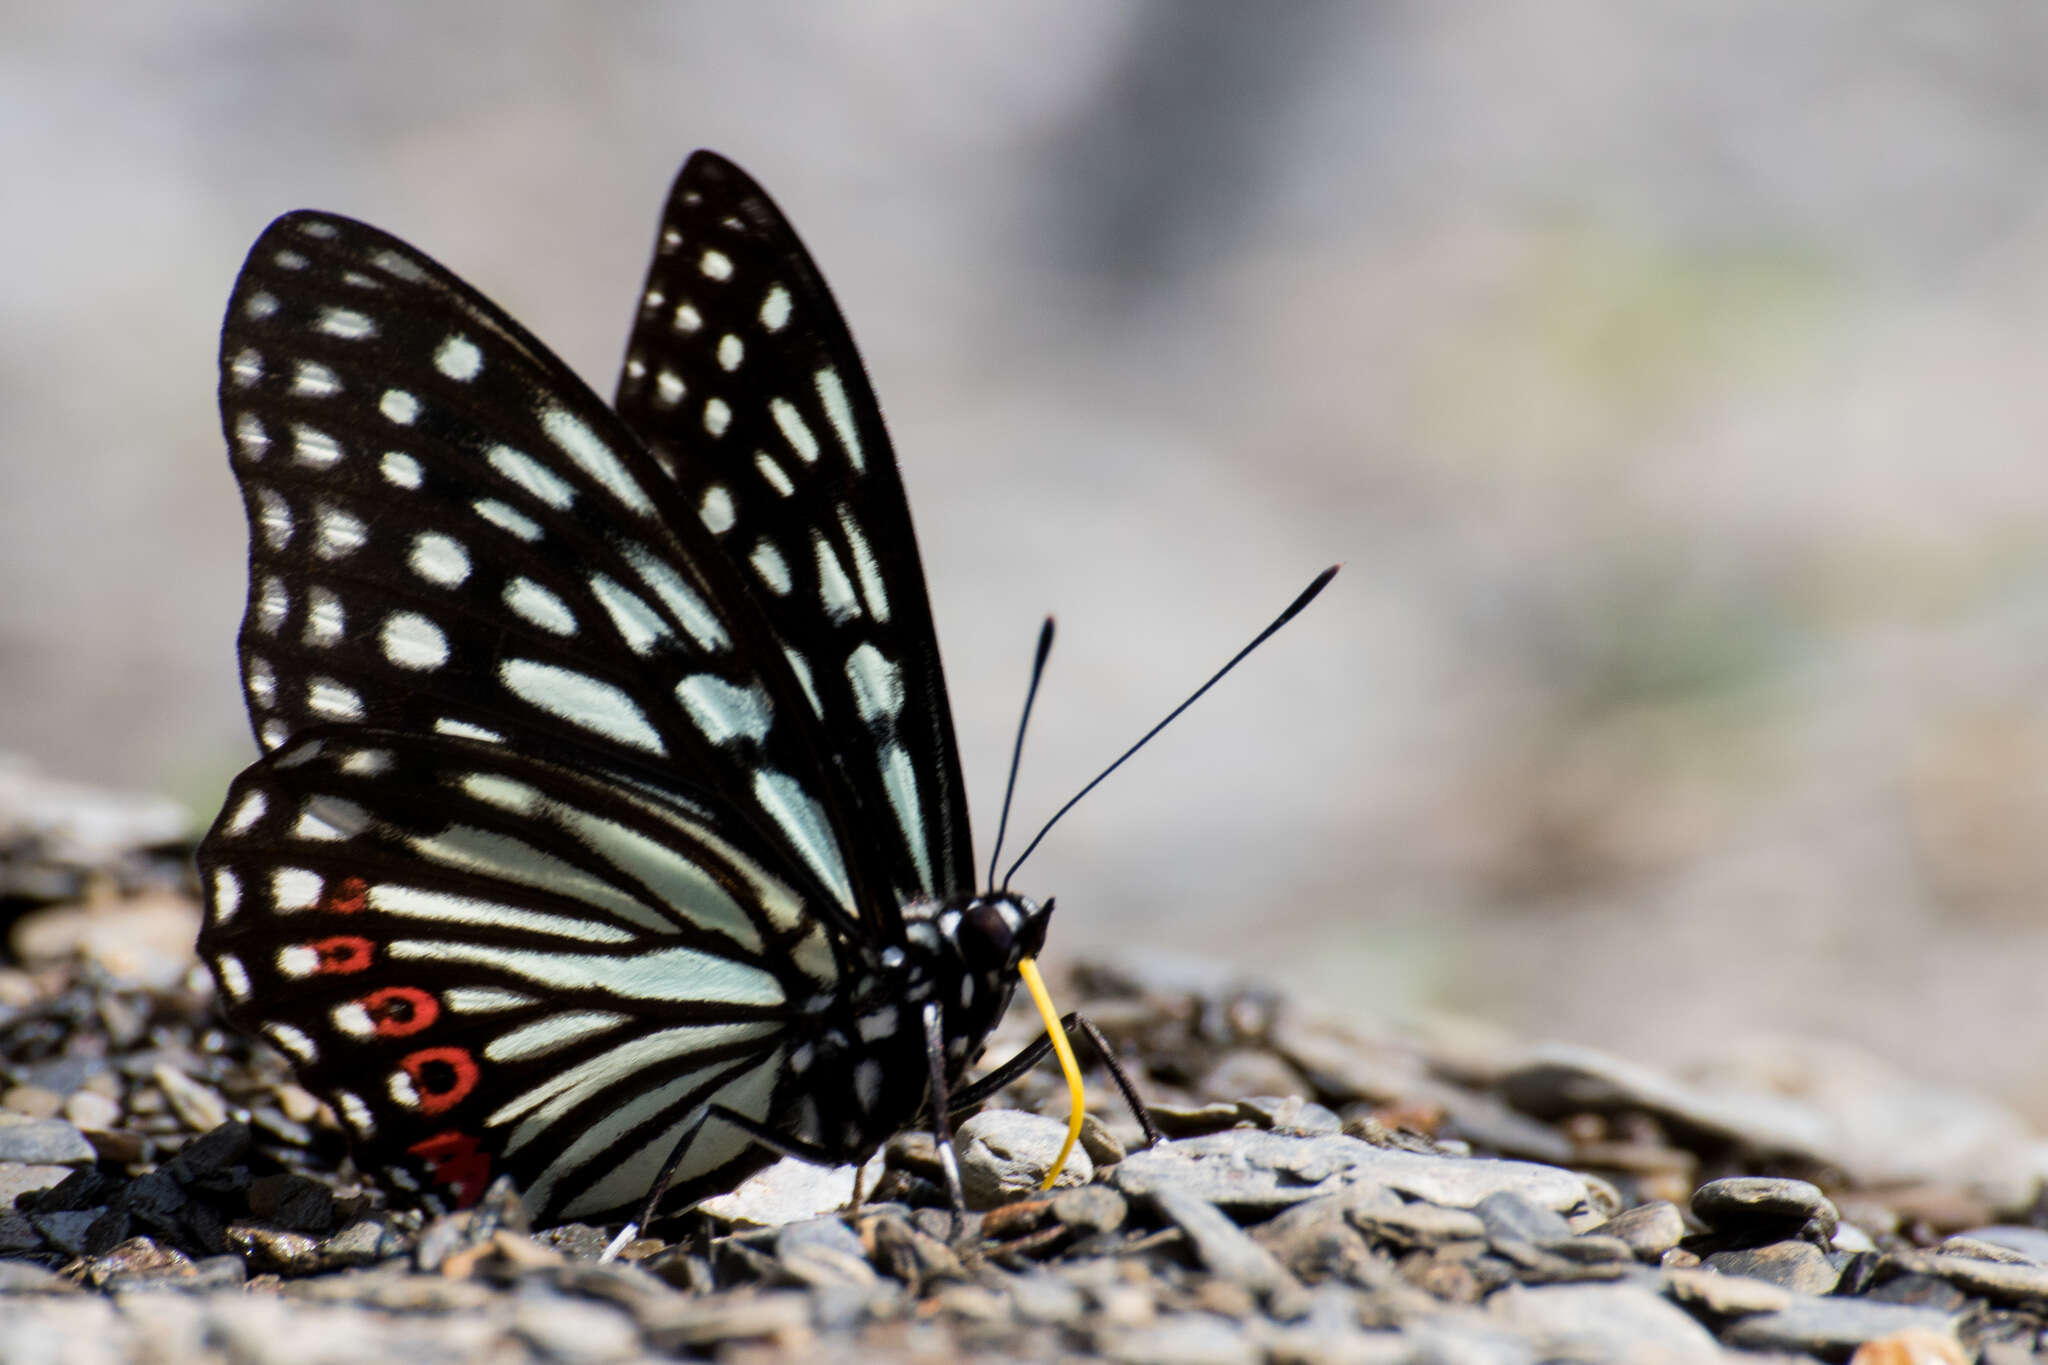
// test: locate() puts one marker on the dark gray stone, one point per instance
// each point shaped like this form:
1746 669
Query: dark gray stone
44 1142
1761 1203
1716 1296
66 1231
2001 1282
1798 1266
1831 1327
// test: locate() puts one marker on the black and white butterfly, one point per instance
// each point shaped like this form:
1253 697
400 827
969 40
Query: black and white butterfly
608 830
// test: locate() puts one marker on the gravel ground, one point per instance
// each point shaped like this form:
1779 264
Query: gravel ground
1327 1194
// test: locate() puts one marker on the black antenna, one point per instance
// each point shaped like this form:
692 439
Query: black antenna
1308 595
1017 753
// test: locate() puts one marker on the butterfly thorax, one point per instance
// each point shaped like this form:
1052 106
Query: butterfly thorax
860 1054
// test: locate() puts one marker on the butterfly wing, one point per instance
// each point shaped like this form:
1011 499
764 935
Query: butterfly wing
743 379
490 962
450 534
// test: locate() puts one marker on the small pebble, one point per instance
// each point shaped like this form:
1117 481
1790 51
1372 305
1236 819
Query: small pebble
1742 1203
1649 1229
1798 1266
1005 1153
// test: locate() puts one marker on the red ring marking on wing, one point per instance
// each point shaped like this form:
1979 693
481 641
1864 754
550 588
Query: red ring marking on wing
343 954
400 1011
437 1097
456 1161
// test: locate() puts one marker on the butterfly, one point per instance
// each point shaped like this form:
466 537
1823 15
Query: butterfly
608 830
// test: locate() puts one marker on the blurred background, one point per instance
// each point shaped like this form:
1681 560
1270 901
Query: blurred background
1668 376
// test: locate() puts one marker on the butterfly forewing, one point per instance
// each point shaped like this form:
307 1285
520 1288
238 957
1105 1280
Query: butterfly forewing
742 377
451 534
493 963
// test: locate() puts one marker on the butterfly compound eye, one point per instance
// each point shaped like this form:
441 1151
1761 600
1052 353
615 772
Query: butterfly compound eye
986 939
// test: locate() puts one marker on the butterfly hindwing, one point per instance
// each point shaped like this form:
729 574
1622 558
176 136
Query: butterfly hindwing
742 376
492 963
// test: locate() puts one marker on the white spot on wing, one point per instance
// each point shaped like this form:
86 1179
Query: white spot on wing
459 359
802 668
312 446
345 323
638 624
773 473
274 518
771 566
716 509
439 559
227 895
678 597
399 406
775 309
715 265
530 474
864 564
340 534
835 589
234 977
551 1033
410 640
899 779
877 685
462 729
296 888
273 604
723 711
325 623
717 416
507 518
668 389
731 351
581 700
794 429
839 412
594 458
534 603
326 697
686 319
251 440
400 469
311 379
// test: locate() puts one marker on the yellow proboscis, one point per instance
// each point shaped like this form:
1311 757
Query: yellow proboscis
1028 969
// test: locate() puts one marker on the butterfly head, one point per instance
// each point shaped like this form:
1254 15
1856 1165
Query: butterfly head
997 931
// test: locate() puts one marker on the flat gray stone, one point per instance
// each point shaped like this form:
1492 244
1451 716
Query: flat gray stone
1800 1267
787 1192
1619 1322
1832 1326
2028 1242
1225 1248
44 1142
2000 1281
1714 1295
1247 1170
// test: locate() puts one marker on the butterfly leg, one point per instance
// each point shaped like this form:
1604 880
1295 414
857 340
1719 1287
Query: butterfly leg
1034 1053
782 1144
942 1113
